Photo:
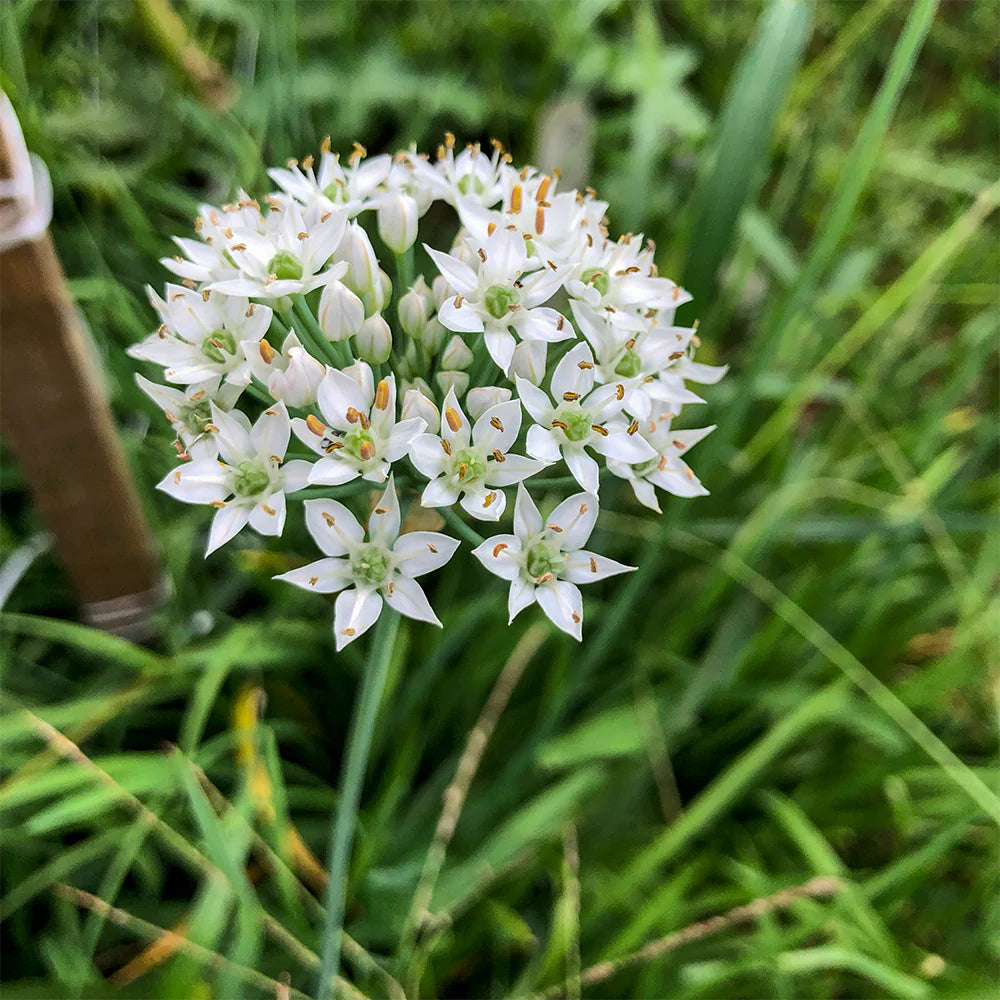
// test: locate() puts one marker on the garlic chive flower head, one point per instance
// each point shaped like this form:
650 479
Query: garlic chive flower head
369 568
535 348
544 560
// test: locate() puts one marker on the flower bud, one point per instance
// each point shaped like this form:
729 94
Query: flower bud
464 252
397 222
434 334
356 248
480 399
374 340
415 308
441 290
529 361
417 404
456 356
292 375
459 381
341 312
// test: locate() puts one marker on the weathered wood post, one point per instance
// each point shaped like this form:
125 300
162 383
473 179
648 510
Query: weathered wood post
54 414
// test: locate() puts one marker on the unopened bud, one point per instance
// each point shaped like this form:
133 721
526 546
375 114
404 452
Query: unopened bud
417 404
459 381
464 252
434 334
341 312
441 290
415 308
374 340
397 222
480 399
456 356
356 248
529 361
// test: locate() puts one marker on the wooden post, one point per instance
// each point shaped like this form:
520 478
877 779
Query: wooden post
54 414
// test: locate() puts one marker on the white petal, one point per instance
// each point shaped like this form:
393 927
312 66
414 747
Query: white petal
460 319
562 602
587 567
624 447
646 494
500 344
527 520
337 394
420 552
355 611
522 595
398 442
268 516
542 324
500 555
227 523
455 428
271 432
535 401
680 482
202 481
584 469
383 524
485 505
233 435
576 515
427 455
407 597
332 472
486 434
570 377
541 444
295 475
333 527
460 276
324 576
513 469
439 493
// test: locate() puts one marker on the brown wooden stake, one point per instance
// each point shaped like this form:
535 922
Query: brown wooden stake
56 419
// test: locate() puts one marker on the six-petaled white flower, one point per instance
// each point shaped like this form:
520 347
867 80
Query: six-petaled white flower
545 560
367 569
248 484
189 411
292 374
472 467
361 436
581 417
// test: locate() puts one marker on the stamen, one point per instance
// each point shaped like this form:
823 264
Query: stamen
554 527
515 199
562 425
482 254
497 424
540 220
497 549
353 416
217 504
366 451
327 445
267 354
593 565
313 580
491 229
575 617
365 422
268 510
348 631
619 391
489 499
584 365
382 395
675 355
603 431
570 397
212 427
330 522
633 427
381 510
498 455
324 146
551 265
453 419
446 446
544 578
543 189
462 470
433 548
390 588
679 445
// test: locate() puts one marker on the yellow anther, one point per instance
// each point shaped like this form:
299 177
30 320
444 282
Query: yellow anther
217 504
453 419
366 451
498 456
633 427
268 510
515 198
497 549
267 354
382 395
497 424
571 397
489 499
352 415
540 220
603 431
543 189
330 522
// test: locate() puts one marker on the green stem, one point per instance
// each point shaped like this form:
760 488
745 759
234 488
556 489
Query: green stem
345 815
311 331
468 533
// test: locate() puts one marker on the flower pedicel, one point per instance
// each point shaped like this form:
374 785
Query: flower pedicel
534 348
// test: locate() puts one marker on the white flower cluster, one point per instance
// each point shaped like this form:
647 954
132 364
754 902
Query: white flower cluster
538 341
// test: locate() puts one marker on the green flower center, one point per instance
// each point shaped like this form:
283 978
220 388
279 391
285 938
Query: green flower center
251 479
470 184
335 192
499 299
217 345
194 416
630 364
469 465
285 266
358 442
576 420
596 277
371 564
543 559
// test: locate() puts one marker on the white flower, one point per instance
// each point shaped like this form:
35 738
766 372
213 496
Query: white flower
544 561
472 467
666 469
189 411
352 188
201 335
362 438
367 570
249 482
290 258
502 296
471 175
292 374
341 313
581 418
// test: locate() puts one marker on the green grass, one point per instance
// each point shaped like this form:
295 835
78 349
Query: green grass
799 681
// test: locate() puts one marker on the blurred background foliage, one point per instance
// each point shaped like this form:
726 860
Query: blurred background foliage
800 680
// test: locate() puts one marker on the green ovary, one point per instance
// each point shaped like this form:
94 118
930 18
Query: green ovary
596 277
577 420
359 443
335 192
499 299
630 364
194 416
543 559
251 479
470 184
285 266
217 345
370 563
475 466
